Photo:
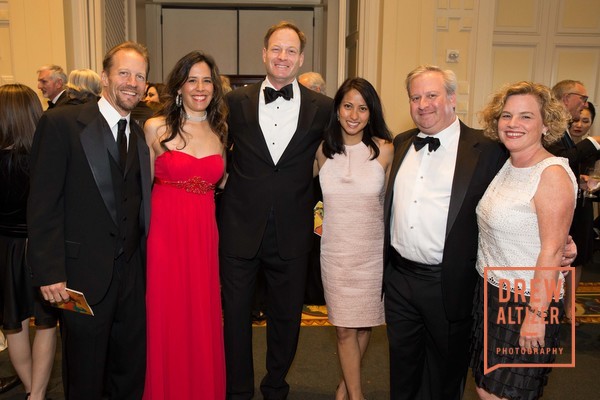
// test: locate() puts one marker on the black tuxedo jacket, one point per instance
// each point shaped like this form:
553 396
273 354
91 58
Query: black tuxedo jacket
477 162
257 187
61 101
575 153
71 212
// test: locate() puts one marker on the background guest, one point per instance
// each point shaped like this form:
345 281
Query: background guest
226 82
312 80
579 129
20 110
51 82
155 93
353 162
8 382
187 150
523 218
582 155
84 85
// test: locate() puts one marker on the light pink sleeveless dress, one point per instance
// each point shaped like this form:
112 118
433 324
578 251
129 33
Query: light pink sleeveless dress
352 241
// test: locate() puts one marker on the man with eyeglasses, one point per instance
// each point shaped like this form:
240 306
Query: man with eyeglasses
581 156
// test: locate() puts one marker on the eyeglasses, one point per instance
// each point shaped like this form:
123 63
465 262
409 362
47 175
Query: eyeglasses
582 97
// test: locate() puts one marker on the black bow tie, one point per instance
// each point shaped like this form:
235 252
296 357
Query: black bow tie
287 92
50 104
420 142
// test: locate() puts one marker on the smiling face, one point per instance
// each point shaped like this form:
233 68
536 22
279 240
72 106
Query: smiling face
282 58
520 125
580 128
431 108
197 91
353 115
125 82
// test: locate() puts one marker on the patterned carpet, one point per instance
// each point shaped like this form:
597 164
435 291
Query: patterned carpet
587 307
587 303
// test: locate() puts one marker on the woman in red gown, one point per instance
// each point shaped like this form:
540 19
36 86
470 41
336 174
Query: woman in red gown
187 142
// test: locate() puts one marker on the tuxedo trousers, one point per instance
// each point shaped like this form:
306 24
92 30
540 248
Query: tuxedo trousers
104 356
285 285
429 355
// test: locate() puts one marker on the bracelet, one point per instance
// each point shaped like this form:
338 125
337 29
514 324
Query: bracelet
539 313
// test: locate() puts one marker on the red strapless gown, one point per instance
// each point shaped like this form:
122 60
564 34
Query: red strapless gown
185 332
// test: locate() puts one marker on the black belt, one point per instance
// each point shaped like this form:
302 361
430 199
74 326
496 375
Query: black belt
415 269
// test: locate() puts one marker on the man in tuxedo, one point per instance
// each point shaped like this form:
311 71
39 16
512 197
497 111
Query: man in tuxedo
51 82
581 156
265 220
88 215
440 171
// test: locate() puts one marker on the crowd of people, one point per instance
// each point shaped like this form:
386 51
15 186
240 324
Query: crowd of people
111 192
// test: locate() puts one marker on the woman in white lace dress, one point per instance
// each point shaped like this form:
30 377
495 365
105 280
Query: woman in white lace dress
524 218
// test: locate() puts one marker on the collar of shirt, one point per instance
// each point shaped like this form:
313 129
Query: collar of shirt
54 100
112 116
448 137
267 83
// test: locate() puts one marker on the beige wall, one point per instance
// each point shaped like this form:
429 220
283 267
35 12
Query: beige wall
35 35
497 41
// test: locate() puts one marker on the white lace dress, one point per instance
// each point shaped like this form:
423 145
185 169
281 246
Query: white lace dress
508 226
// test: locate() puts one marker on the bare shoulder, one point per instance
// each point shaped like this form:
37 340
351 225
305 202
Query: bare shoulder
154 128
386 149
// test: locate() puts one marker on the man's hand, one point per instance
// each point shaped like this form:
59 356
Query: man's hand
569 253
55 293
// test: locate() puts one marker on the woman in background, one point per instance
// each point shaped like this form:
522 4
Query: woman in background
84 85
353 164
20 110
184 321
155 93
524 219
583 221
579 129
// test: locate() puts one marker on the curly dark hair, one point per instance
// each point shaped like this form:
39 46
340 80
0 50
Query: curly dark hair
376 127
174 115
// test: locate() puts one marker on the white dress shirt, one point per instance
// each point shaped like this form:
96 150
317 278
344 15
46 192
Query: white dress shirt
112 117
278 120
422 191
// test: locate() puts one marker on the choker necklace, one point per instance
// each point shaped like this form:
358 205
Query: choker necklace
194 118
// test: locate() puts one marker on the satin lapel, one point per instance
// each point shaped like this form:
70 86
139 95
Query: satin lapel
308 109
144 158
249 107
400 151
466 161
98 142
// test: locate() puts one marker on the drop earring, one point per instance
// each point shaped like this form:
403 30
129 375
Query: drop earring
178 101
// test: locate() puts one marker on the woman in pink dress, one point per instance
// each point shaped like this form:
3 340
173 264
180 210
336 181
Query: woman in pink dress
187 142
354 162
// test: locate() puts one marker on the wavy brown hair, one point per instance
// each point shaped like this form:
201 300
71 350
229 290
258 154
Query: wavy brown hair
174 115
554 115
